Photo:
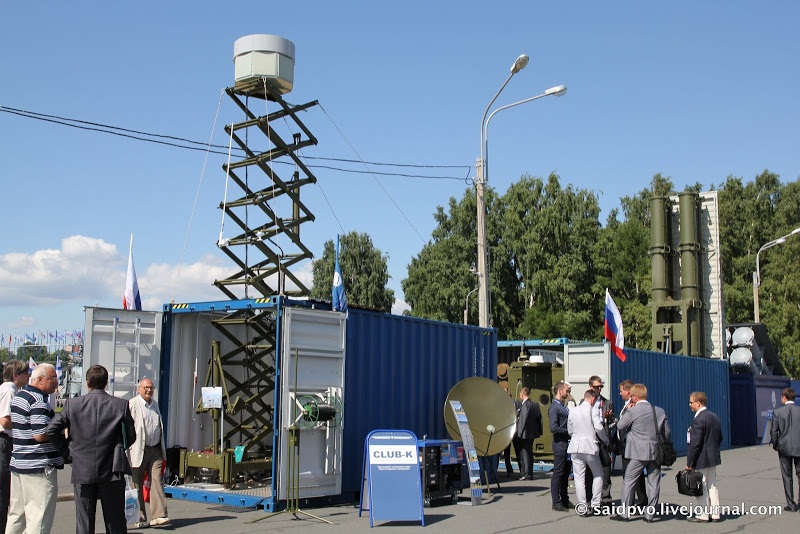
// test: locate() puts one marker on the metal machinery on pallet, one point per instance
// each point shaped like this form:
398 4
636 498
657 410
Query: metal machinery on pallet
441 465
265 245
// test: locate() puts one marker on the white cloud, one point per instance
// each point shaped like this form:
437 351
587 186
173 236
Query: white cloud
399 307
162 283
23 322
84 268
89 271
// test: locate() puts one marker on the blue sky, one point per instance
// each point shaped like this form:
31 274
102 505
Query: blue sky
695 90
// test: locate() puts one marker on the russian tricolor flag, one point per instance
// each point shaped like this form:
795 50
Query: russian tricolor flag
131 299
613 327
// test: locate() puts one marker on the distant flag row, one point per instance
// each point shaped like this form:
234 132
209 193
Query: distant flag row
42 338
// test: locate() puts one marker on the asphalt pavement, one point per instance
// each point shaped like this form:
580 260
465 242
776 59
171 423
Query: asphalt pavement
749 483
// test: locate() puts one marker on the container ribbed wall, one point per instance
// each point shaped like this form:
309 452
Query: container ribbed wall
670 379
398 371
752 398
743 404
768 391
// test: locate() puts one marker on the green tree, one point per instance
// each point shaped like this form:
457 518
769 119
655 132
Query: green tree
548 229
751 215
623 266
637 207
37 352
442 275
6 354
536 229
747 221
365 273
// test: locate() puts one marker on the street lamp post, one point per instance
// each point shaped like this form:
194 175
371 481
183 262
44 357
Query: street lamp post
482 176
480 184
757 273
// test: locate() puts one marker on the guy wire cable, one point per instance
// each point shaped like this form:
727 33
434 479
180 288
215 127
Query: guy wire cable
129 134
449 274
196 196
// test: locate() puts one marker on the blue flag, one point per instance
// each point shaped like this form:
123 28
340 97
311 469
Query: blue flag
337 294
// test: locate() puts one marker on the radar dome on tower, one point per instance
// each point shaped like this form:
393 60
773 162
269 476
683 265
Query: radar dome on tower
261 58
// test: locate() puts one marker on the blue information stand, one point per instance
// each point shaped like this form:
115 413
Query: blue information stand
391 467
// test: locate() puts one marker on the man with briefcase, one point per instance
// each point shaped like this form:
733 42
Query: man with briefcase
704 437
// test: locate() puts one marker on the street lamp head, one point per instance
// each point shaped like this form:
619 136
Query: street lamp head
520 63
780 241
558 90
795 231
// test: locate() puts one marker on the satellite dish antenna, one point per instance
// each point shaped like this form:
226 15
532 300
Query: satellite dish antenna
490 412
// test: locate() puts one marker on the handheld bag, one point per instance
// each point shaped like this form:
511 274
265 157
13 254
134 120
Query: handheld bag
690 483
665 451
120 463
131 502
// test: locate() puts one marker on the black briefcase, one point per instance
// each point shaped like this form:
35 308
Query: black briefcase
690 483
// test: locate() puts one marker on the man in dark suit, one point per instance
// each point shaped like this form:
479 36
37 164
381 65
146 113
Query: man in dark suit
529 427
786 440
640 448
559 480
705 437
96 422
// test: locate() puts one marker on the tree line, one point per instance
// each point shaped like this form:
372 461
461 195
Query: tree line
551 260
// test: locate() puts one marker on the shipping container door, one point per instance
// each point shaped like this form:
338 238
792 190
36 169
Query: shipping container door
312 355
584 360
127 343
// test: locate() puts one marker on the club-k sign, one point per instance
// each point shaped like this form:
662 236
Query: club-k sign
391 468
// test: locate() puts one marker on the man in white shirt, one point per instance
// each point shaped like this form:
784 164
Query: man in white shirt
15 376
148 454
586 429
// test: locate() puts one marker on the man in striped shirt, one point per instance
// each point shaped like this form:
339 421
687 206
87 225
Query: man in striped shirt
34 460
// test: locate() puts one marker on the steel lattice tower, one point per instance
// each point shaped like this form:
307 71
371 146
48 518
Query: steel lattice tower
266 246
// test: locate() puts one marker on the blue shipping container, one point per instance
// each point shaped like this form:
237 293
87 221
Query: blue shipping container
670 379
743 404
752 398
768 397
398 371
